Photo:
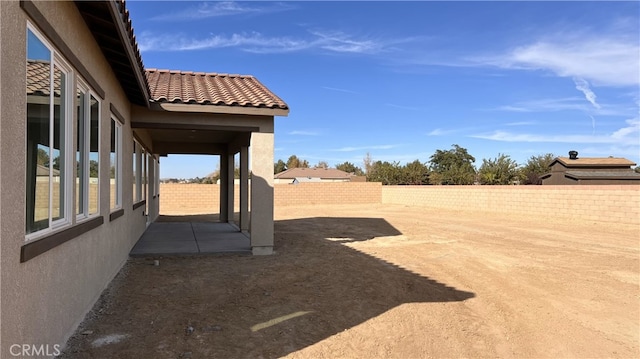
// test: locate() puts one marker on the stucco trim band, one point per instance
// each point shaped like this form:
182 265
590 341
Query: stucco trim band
139 204
117 113
115 214
36 248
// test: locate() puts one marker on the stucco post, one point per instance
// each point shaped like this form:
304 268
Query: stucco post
230 185
224 192
261 226
244 188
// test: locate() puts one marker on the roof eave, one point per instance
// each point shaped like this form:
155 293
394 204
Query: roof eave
227 110
131 54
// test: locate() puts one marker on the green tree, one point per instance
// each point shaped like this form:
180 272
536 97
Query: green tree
385 172
43 157
535 167
295 162
322 164
452 167
415 173
501 170
350 168
93 169
279 166
637 169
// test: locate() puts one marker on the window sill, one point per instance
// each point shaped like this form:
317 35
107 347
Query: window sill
139 204
116 214
36 248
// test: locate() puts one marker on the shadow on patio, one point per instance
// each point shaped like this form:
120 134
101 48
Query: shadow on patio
314 287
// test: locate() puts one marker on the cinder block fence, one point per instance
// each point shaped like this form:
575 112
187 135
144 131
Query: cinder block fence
605 203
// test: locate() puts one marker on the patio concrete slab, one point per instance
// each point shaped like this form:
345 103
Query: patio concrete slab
176 238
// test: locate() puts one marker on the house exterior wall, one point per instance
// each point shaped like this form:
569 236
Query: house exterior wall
46 297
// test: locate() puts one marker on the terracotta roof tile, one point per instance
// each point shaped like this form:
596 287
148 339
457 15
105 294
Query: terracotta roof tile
38 78
190 87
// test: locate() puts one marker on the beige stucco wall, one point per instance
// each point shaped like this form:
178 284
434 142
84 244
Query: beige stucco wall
45 298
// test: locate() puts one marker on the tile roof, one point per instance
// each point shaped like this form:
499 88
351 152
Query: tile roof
603 174
326 173
595 161
188 87
38 78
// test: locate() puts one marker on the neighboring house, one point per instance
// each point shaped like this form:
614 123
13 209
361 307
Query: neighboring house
298 175
74 90
574 170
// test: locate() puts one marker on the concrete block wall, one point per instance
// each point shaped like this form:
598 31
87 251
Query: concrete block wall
606 203
188 198
178 198
327 193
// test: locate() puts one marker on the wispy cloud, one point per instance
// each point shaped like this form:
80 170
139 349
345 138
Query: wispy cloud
583 86
520 123
340 90
337 41
627 135
440 132
411 108
210 9
567 104
249 42
304 133
602 59
256 42
363 148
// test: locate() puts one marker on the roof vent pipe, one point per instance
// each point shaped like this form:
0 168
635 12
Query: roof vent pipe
573 155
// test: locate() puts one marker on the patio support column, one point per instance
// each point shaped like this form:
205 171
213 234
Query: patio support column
244 188
230 186
261 225
224 187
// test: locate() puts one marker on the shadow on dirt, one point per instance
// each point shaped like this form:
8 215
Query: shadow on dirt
315 286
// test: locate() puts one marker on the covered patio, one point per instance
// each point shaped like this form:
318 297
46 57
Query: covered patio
191 235
216 114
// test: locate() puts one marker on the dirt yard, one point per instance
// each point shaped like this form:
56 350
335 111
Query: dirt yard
381 281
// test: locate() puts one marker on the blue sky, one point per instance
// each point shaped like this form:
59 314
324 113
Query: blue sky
400 80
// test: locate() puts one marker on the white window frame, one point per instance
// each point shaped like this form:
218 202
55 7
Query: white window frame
138 172
118 163
156 177
69 161
88 93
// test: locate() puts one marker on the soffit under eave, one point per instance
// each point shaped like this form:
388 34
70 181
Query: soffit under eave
104 20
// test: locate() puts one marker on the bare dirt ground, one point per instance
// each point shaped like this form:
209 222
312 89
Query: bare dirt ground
380 281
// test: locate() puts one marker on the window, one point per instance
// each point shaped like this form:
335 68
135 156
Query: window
157 177
87 152
143 187
138 155
115 171
49 125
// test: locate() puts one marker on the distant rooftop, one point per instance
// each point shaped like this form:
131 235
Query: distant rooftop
595 161
328 173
